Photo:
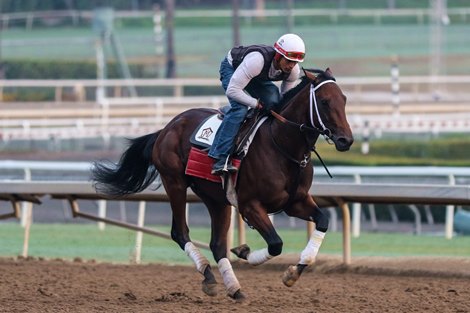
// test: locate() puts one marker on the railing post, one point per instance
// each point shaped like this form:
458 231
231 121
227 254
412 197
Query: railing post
365 138
356 220
101 213
415 211
395 74
26 206
79 92
136 258
159 112
449 228
178 90
333 226
26 216
346 232
27 230
104 114
58 94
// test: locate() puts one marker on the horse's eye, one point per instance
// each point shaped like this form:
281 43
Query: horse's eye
325 102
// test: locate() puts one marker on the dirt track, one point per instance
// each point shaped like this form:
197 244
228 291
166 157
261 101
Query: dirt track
370 285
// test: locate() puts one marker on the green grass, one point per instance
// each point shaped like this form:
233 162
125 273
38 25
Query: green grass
446 150
68 241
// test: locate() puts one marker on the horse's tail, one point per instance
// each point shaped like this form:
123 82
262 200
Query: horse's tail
133 173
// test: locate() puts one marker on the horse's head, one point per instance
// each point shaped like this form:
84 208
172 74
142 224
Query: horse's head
328 108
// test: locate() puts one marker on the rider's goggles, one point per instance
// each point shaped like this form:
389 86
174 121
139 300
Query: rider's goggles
299 56
291 55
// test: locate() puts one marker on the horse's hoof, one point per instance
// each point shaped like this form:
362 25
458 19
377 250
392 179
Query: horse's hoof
241 251
209 289
238 296
290 276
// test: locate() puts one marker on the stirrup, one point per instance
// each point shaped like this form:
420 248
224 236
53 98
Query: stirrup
227 169
219 169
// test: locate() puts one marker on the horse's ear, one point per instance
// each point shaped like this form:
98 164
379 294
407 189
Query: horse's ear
310 75
329 72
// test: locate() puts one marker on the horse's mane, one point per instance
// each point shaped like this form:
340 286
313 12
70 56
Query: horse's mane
303 82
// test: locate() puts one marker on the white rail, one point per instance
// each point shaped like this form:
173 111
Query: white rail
356 174
369 102
358 89
325 194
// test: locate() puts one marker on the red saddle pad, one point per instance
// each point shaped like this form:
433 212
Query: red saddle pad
200 165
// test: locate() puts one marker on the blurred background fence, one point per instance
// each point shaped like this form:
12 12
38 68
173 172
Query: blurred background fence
107 69
353 38
81 75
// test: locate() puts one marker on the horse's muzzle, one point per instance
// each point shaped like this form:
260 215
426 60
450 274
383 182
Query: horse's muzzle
343 143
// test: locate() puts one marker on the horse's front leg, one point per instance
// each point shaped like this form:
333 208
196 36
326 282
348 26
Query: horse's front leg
255 215
309 211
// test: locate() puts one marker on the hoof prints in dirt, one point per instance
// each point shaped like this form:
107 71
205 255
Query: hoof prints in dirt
61 286
173 296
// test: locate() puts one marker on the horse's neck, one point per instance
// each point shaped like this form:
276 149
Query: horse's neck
297 110
292 138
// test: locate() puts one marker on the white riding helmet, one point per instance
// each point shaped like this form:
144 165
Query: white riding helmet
291 47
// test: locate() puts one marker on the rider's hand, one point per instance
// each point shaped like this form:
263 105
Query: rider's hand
261 107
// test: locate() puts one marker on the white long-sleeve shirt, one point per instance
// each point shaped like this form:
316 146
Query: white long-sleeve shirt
249 68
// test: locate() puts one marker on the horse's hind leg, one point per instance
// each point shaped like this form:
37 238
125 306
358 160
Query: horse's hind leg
176 190
220 223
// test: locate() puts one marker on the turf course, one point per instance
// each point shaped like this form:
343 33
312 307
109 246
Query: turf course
68 241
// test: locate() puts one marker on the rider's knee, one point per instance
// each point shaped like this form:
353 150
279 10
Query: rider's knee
321 220
238 112
275 249
272 100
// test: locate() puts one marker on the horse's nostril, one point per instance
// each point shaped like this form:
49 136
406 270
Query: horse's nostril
344 142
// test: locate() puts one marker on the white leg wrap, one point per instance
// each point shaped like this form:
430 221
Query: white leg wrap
308 255
198 258
259 256
230 280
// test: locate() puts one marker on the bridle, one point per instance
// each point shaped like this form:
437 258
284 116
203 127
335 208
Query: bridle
322 130
325 131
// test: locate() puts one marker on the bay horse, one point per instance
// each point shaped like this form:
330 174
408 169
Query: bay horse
275 175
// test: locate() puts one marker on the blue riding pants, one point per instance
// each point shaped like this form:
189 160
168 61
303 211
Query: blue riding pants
266 91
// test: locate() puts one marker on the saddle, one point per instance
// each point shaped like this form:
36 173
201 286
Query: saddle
199 163
204 134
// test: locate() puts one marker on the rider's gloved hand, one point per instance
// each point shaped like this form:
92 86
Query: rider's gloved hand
261 107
